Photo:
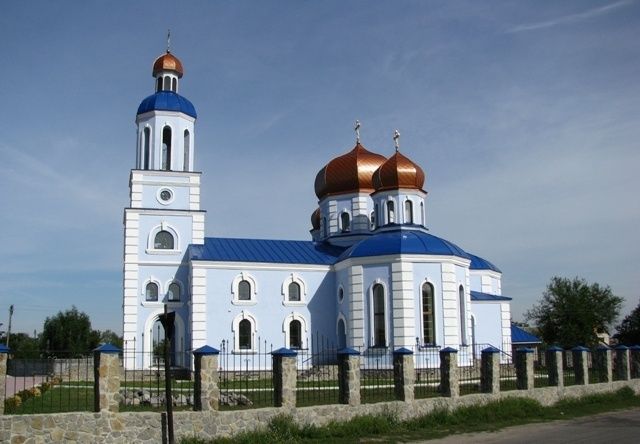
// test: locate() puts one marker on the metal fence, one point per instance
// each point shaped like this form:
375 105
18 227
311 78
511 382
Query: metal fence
469 364
427 368
376 375
568 370
246 377
317 381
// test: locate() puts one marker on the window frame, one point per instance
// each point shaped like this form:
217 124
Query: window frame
244 316
374 316
286 329
345 227
235 289
145 288
432 315
286 298
152 236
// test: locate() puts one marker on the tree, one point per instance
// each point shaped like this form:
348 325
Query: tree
109 337
572 311
68 334
629 329
24 346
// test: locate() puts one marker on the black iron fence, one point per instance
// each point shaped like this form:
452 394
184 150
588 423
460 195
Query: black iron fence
317 381
376 374
427 368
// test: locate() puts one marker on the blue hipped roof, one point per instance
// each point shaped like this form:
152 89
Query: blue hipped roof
479 296
520 336
167 101
265 250
478 263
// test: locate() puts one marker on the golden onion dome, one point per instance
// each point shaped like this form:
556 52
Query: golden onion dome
349 173
398 172
315 219
168 62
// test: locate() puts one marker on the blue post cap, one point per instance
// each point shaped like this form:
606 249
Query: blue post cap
348 351
449 350
525 350
621 347
603 347
403 351
284 352
580 348
491 349
107 348
555 348
4 349
206 350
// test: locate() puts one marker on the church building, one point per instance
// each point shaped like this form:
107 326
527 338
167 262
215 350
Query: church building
371 277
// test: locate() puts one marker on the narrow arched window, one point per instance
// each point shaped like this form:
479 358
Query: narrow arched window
174 85
146 143
391 212
187 150
372 220
159 84
174 292
428 315
167 83
163 241
166 148
244 335
151 291
295 334
324 227
244 290
424 222
408 212
463 316
294 292
379 330
345 222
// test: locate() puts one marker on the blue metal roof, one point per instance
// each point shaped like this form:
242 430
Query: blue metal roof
477 263
403 242
265 250
167 101
519 336
479 296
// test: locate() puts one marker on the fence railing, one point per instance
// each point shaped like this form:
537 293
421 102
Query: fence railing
427 369
317 376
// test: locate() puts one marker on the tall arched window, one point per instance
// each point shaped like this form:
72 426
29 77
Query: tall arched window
372 220
151 291
174 84
379 330
391 212
159 84
146 143
408 212
244 335
325 229
345 222
428 314
166 148
244 290
174 292
424 222
295 334
294 292
187 150
167 83
163 241
463 316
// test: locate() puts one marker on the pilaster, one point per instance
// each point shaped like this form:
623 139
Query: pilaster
404 325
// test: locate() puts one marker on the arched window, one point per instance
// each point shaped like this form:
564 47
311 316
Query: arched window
424 222
324 227
174 292
159 84
166 148
146 143
244 290
345 222
391 212
342 334
408 212
167 83
187 149
428 315
372 220
151 291
463 316
295 334
340 294
379 330
174 85
244 335
163 241
294 292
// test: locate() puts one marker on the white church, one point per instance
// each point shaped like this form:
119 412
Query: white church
371 277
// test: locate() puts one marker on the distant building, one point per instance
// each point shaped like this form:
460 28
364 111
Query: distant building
371 277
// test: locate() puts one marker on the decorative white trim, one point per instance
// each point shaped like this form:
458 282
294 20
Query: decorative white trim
235 328
244 276
340 225
303 327
168 201
143 289
390 258
180 286
164 226
340 289
294 278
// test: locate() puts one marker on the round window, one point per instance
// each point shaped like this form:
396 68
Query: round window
165 196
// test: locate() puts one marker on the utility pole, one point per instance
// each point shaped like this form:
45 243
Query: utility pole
9 327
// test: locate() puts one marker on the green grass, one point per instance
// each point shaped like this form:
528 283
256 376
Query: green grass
55 400
387 428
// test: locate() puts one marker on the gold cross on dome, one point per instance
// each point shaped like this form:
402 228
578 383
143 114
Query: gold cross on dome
396 139
168 40
357 130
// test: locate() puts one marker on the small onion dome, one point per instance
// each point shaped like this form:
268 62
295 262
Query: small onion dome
349 173
168 62
315 219
398 172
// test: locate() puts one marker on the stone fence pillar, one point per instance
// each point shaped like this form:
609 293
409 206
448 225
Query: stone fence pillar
349 376
555 366
490 370
404 374
525 375
581 365
623 370
206 392
635 361
602 363
106 378
449 380
285 377
4 355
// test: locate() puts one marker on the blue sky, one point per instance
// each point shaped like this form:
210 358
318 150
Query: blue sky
524 115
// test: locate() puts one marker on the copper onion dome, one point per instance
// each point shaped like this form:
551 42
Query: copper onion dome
315 219
168 62
398 172
349 173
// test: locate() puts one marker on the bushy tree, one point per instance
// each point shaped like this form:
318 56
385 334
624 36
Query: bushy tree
572 311
24 346
629 329
68 334
109 337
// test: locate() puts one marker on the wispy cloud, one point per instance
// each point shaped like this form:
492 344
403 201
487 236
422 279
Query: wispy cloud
571 18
